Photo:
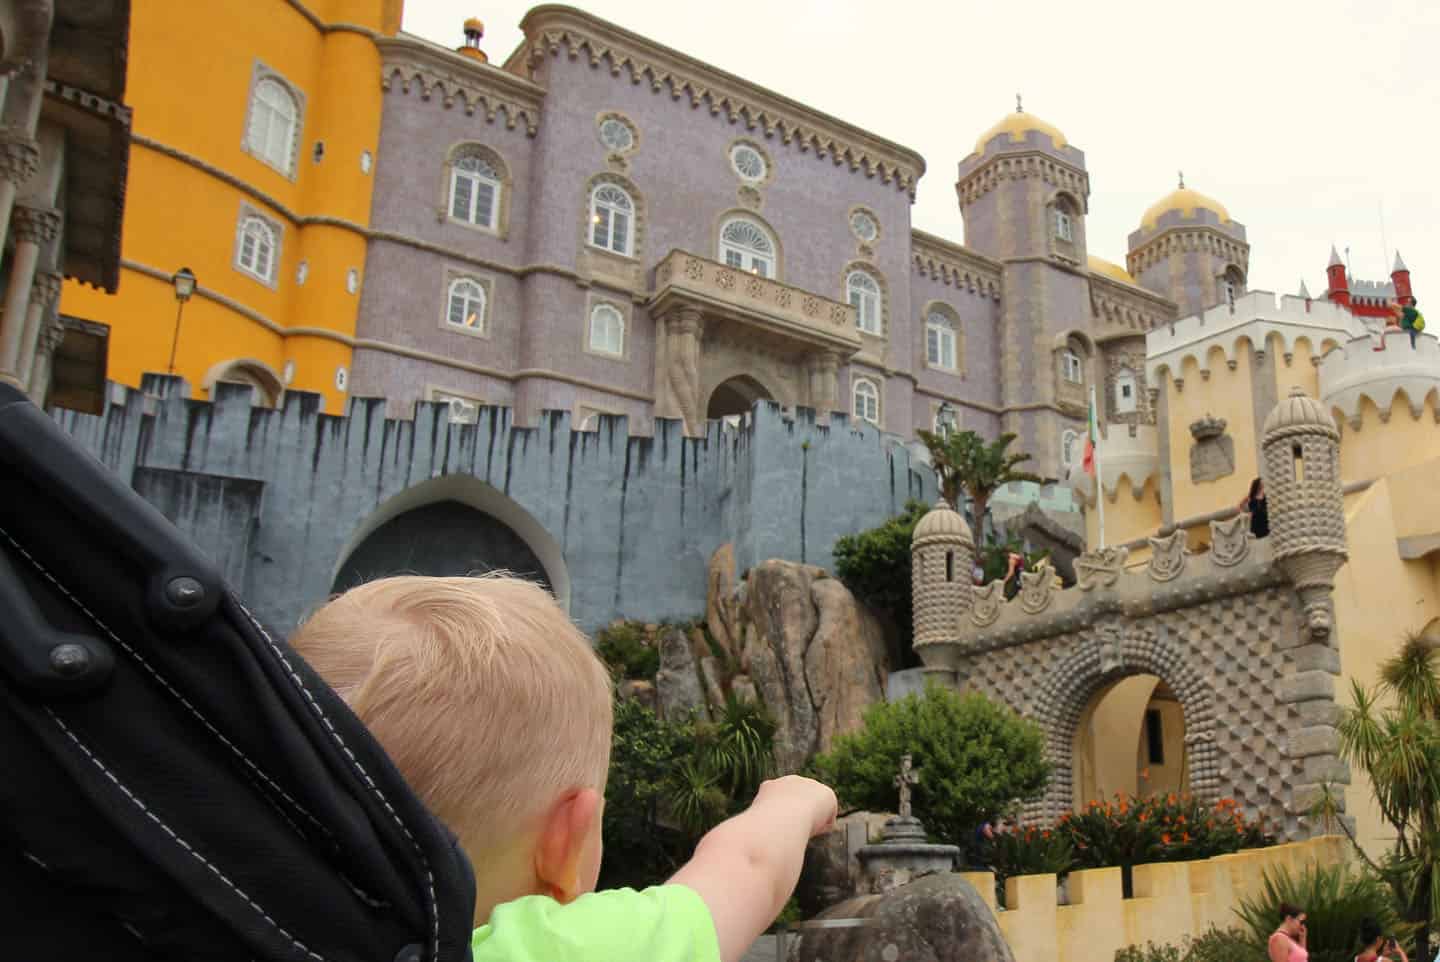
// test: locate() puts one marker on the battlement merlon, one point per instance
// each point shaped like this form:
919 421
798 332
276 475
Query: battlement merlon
1355 372
1256 317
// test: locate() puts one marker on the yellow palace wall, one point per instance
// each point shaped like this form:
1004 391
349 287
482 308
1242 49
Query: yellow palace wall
191 100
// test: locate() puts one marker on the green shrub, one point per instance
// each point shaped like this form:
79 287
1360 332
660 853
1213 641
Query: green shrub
1335 898
624 650
1031 851
639 851
974 757
875 566
1214 946
1150 952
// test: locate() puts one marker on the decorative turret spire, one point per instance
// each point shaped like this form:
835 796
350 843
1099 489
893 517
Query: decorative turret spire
1335 260
1399 265
1304 291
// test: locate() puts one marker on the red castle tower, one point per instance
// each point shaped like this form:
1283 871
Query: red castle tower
1366 298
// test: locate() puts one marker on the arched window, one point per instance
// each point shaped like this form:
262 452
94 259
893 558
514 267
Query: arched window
1072 367
863 292
475 186
747 246
1232 285
607 329
465 306
1064 216
256 255
1126 392
612 219
867 400
274 124
940 340
1069 449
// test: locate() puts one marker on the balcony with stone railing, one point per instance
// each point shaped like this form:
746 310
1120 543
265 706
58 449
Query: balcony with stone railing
787 317
1356 371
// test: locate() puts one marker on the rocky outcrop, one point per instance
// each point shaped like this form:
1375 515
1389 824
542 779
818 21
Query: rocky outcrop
815 655
940 918
678 689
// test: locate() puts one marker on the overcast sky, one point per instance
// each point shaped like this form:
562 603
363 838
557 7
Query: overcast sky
1303 117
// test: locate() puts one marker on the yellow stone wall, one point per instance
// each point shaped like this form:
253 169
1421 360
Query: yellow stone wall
1225 394
190 82
1172 902
1127 517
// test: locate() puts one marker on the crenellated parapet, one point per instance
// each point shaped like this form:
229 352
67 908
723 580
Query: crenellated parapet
1355 372
1256 318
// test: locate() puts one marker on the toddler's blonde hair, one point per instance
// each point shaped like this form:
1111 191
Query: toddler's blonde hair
485 695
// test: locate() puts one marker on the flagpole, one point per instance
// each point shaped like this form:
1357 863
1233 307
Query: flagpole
1099 476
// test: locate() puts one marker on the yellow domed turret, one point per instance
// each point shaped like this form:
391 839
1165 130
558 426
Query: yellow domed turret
1187 202
1098 265
1017 125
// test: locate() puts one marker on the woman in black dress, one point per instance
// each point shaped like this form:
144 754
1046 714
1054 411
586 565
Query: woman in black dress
1255 504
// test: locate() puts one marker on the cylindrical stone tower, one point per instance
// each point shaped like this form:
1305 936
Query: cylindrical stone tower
942 558
1301 447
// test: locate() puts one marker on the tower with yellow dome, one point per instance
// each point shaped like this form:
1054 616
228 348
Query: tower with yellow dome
1189 249
255 137
1024 192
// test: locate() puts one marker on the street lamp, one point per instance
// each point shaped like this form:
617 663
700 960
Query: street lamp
184 281
945 418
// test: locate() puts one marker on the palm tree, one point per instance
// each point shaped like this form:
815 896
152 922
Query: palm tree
1398 746
964 461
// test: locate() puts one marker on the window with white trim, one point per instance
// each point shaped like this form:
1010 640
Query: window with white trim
257 250
747 246
940 340
867 400
1072 367
748 162
465 304
475 187
1064 225
274 127
863 293
607 329
1126 392
612 219
1069 448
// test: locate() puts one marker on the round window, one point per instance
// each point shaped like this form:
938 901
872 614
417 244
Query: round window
616 134
342 378
864 226
747 162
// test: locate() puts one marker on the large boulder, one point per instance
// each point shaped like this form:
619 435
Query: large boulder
940 918
816 656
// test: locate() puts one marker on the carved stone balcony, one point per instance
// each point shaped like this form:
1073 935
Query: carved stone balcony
784 317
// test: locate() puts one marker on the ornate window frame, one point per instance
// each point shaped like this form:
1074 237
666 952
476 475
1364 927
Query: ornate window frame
883 309
733 216
604 117
1124 377
594 303
858 211
753 182
856 383
261 73
1063 210
957 329
504 188
249 212
1073 395
638 219
1230 285
451 277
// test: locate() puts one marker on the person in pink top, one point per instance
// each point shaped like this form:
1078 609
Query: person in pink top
1379 947
1288 942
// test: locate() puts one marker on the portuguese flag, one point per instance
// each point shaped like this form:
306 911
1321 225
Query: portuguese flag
1091 437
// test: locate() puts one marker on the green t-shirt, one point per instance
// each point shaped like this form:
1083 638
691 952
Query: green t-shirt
668 923
1407 318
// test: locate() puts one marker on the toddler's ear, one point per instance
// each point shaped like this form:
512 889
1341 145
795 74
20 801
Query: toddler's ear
560 848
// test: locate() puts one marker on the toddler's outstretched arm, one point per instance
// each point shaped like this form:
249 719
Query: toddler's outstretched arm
746 868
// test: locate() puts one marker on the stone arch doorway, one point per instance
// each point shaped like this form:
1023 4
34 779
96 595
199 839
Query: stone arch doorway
734 397
1130 740
1112 652
454 525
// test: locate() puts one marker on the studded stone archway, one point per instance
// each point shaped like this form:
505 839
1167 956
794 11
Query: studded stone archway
1113 650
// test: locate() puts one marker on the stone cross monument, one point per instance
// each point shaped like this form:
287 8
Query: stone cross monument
903 781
